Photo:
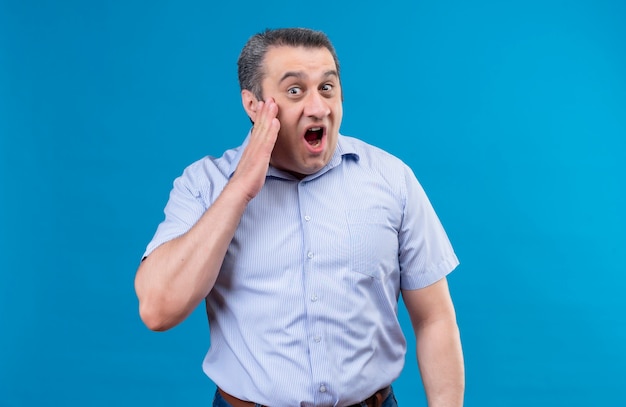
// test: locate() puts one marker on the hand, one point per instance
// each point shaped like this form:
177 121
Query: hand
252 168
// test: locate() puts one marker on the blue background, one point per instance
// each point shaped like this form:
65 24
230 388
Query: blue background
512 115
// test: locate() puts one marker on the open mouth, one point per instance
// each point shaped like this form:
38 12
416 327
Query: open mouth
314 136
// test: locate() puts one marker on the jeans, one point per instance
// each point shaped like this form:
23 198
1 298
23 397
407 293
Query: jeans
219 401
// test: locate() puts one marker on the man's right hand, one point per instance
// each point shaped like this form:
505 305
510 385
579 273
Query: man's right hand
179 274
252 168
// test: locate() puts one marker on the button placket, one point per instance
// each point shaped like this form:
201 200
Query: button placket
311 275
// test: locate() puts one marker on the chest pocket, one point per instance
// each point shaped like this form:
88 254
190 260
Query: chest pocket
373 242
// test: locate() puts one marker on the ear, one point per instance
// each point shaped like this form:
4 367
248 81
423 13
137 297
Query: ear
249 102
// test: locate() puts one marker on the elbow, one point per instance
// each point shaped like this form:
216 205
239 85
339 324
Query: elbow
154 319
160 308
153 305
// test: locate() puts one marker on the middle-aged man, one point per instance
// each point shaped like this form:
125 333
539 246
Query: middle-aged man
301 241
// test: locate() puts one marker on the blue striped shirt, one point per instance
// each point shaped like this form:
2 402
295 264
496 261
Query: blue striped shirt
304 310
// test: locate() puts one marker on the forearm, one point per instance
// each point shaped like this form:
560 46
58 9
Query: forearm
178 275
440 359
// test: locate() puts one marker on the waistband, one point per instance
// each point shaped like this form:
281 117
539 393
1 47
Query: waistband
375 400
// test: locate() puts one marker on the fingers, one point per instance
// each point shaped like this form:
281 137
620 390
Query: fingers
266 125
252 168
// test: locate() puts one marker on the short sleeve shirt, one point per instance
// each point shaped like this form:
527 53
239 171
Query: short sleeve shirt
304 310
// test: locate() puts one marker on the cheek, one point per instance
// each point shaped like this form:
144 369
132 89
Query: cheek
288 125
288 117
338 111
287 137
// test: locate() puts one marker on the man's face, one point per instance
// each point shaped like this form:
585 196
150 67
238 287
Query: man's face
305 85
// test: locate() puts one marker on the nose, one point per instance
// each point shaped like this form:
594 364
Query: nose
315 106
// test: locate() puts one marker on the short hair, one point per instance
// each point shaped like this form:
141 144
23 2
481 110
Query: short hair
250 63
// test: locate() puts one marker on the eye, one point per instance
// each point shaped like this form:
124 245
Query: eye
294 91
327 87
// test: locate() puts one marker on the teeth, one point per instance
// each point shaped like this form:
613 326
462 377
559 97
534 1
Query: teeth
315 129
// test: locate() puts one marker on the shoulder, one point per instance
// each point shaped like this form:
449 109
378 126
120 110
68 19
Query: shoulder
370 155
376 161
373 167
207 174
209 166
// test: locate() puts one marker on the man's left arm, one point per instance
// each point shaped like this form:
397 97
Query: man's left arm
439 352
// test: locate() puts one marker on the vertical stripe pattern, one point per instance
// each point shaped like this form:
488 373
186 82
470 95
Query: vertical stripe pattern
304 311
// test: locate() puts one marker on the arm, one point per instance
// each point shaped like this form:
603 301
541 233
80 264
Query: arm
178 275
439 353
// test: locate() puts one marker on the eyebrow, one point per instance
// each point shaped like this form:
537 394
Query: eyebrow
301 75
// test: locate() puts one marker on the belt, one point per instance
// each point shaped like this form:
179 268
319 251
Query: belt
375 400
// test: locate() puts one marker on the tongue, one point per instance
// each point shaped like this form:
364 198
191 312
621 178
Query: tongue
310 137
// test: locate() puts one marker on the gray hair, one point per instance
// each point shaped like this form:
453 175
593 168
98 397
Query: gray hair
250 62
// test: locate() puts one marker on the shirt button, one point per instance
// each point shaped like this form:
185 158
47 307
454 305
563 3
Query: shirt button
317 339
307 218
323 388
309 255
314 298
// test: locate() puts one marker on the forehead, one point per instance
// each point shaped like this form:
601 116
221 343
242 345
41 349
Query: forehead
282 59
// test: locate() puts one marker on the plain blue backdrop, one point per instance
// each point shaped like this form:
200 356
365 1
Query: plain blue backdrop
512 115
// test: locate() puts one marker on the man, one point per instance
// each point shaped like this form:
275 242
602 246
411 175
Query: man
300 241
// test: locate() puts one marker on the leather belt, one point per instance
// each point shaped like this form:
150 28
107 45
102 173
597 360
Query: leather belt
375 400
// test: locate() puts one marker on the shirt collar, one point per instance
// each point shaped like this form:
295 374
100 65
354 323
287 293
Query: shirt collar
344 149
